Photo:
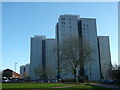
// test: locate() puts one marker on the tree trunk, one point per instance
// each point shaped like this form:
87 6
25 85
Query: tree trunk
75 76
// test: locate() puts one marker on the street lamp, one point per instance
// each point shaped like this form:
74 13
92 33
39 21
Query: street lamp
15 66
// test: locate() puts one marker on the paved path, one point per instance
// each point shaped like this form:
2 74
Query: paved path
69 86
106 85
97 84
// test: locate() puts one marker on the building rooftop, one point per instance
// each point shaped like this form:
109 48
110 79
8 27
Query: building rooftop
88 18
70 15
39 36
102 36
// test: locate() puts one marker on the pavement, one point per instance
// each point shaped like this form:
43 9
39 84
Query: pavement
97 84
106 85
68 86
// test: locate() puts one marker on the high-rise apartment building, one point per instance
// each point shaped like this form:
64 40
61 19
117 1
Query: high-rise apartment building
37 55
45 52
51 58
66 27
43 55
88 31
105 57
74 26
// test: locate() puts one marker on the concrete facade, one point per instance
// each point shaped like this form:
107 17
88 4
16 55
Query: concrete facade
24 70
44 51
51 58
36 54
65 28
89 34
74 26
105 57
43 55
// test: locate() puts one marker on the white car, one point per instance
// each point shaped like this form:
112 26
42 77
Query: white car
6 80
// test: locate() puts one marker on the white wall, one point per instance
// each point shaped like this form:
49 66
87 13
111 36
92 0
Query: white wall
89 33
51 58
35 55
105 57
69 28
26 67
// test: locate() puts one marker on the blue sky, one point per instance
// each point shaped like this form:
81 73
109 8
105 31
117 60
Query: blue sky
20 21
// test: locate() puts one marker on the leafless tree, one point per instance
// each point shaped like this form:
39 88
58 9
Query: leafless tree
24 75
75 51
65 69
50 73
40 72
115 73
45 72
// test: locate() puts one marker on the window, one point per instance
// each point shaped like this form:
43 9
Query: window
62 22
83 24
70 26
62 18
83 28
69 18
90 73
70 22
24 69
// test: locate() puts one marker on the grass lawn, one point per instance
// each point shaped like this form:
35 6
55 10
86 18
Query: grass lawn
31 86
90 87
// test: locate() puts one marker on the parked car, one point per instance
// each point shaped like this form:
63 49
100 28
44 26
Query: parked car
107 81
5 80
21 80
54 80
14 80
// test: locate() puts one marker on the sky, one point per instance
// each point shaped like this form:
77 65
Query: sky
23 20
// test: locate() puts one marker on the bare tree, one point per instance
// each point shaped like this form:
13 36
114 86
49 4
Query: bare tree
24 75
75 51
50 73
65 69
115 73
40 72
45 72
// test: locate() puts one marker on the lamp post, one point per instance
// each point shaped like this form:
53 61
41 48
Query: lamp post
15 66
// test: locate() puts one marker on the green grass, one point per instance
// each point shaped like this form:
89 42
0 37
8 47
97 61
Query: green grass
86 86
32 85
90 87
